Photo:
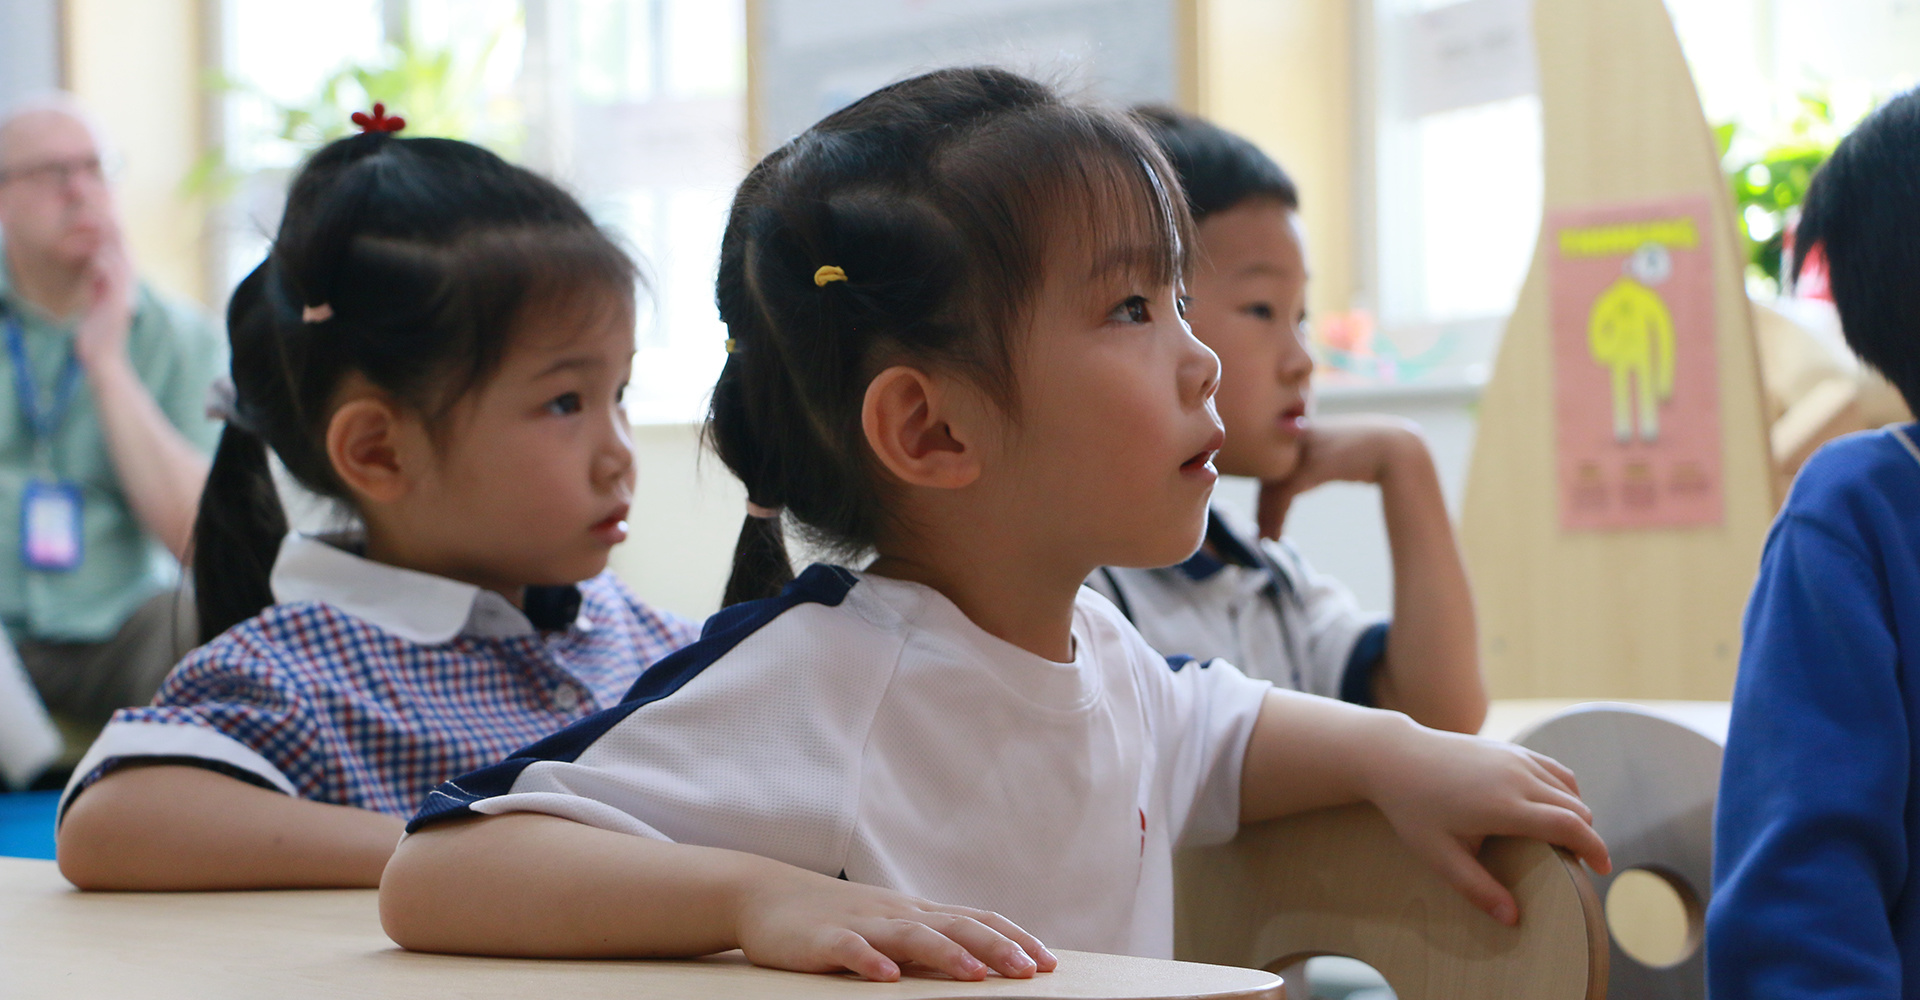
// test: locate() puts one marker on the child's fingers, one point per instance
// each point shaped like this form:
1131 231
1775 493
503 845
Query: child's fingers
848 950
1577 835
1562 774
1043 959
987 944
1555 797
1459 868
913 941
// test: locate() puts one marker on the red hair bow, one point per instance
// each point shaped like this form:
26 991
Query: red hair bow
379 121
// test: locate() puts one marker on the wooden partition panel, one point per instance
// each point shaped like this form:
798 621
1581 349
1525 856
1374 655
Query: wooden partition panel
1622 613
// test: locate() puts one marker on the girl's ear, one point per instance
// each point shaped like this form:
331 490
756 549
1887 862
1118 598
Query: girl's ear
365 444
919 428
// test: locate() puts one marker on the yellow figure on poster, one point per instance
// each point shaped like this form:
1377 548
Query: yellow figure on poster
1630 333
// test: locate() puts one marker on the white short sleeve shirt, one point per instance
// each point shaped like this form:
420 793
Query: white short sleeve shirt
1258 605
863 727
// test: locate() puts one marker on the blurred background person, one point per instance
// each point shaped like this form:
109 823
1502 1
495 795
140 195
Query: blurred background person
103 429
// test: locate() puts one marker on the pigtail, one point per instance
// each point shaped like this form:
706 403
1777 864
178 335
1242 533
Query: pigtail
761 567
237 534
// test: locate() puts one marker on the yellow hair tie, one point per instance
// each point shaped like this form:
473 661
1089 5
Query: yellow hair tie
828 273
733 346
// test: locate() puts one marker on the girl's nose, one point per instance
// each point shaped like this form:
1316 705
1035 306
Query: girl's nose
1199 369
614 458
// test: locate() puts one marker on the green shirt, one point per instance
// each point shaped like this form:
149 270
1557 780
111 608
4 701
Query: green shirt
177 354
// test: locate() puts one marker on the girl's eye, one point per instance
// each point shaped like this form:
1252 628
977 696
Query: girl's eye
565 404
620 394
1133 310
1183 304
1260 311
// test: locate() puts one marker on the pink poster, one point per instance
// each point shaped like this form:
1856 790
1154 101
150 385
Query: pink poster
1635 374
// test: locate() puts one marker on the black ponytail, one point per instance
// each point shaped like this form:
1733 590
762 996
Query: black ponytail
938 199
237 534
409 262
760 564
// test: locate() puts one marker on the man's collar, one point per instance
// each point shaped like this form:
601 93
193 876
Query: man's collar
415 606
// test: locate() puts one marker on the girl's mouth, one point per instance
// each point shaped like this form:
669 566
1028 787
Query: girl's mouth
1293 419
1202 461
613 528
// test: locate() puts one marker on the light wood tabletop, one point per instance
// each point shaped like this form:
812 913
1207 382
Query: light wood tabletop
58 942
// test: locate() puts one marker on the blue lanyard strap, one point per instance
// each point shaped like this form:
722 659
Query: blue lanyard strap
42 423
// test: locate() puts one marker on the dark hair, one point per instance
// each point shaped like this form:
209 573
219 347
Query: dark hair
941 198
425 254
1217 168
1863 207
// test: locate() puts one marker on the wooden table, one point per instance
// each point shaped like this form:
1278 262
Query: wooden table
57 942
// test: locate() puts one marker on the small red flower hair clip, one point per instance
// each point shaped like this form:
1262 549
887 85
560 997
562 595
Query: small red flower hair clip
379 121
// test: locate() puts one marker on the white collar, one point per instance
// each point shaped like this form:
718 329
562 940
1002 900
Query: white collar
415 606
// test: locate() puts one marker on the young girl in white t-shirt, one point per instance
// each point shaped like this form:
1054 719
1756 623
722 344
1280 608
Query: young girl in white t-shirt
956 345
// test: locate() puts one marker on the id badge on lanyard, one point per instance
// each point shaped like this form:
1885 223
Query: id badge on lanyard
50 511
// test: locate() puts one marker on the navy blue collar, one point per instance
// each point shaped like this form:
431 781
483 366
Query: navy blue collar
1229 549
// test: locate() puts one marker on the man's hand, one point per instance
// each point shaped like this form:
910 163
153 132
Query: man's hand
100 338
1357 449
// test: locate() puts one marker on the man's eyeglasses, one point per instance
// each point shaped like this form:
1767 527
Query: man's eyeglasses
58 173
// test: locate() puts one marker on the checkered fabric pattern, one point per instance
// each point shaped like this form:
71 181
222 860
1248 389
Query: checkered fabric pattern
354 715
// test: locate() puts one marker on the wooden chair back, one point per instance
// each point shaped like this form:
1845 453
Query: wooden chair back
1340 882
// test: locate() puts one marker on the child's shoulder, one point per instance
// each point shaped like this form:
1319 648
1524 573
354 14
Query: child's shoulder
607 597
817 617
1858 479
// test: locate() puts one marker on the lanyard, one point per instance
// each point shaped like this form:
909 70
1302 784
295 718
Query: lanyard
41 423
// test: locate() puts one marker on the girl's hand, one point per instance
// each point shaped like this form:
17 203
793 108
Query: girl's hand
1355 449
810 923
1445 793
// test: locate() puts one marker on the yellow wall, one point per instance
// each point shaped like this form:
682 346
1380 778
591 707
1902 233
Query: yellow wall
1280 72
137 65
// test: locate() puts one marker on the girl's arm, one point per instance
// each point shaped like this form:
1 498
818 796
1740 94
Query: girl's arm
178 827
1443 792
1431 669
525 884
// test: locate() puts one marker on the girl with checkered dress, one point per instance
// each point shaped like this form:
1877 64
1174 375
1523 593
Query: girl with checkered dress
438 342
957 347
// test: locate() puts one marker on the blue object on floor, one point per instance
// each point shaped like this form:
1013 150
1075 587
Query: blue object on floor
26 824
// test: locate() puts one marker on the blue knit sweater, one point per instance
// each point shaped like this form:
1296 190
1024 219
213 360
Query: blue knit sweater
1817 837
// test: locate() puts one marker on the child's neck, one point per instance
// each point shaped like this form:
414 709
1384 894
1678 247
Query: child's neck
1003 592
383 547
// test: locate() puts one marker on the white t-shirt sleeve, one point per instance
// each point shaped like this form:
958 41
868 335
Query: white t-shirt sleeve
757 750
1334 622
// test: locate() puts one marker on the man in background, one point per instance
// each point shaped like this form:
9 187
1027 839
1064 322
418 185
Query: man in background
103 429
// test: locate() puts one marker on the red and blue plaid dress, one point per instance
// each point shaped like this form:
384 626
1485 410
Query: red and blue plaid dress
330 706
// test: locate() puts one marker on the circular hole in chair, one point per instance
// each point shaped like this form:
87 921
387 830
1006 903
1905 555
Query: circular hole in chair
1331 977
1654 917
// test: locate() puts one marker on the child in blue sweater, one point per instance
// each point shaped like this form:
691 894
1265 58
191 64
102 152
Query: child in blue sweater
1818 832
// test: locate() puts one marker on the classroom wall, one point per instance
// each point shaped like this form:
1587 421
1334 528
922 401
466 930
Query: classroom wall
138 66
29 48
1280 72
686 514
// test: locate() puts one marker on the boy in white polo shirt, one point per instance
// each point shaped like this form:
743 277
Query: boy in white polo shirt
1248 597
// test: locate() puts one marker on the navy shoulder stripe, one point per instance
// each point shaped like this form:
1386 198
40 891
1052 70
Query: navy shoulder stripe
820 584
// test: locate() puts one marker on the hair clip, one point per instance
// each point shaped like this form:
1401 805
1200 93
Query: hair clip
379 121
828 273
763 513
316 314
